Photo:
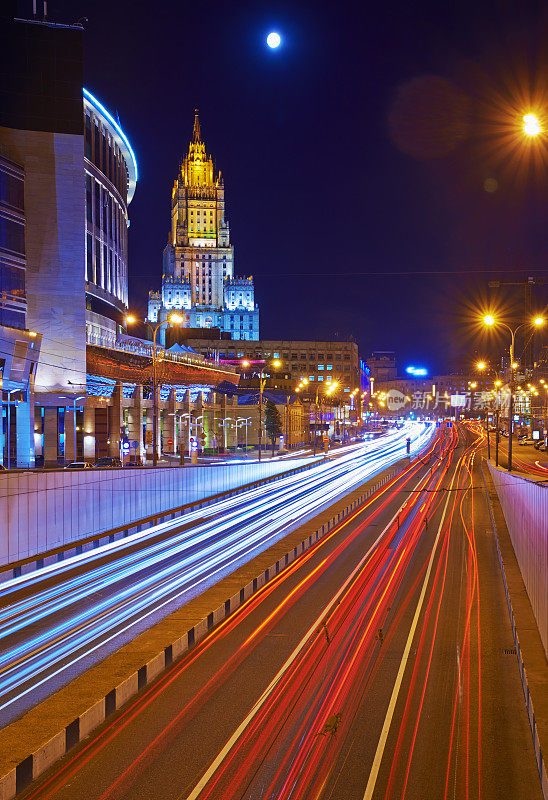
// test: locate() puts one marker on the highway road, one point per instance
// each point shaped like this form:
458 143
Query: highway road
377 665
58 621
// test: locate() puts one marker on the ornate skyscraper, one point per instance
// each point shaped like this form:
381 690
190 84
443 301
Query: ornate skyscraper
198 274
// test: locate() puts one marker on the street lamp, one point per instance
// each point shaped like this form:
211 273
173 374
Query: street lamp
173 319
242 422
531 125
262 382
225 424
489 320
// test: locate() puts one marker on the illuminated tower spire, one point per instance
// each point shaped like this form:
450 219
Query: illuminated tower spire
198 265
196 133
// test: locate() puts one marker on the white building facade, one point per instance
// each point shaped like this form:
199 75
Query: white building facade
198 267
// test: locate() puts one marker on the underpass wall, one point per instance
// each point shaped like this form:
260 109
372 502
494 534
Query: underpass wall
524 504
42 511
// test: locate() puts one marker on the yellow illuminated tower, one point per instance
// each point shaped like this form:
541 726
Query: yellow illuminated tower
198 259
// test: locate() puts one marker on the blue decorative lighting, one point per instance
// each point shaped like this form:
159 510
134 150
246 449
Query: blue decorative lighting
417 372
100 107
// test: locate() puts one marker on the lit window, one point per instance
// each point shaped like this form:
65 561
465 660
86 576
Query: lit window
320 366
311 378
320 377
329 366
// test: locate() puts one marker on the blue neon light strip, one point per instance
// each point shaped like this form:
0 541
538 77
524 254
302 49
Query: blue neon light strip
113 122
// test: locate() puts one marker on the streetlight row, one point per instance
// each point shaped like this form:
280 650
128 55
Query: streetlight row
490 321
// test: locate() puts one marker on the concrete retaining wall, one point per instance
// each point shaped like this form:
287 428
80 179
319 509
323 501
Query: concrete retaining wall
525 507
541 763
42 511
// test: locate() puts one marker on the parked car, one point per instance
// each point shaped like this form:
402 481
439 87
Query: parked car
107 461
78 465
527 442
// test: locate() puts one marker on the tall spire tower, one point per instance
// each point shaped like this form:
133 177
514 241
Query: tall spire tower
199 258
196 132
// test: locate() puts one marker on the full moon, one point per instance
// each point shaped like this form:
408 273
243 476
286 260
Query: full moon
273 40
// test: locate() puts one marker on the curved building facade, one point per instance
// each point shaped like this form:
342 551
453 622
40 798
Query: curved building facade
111 177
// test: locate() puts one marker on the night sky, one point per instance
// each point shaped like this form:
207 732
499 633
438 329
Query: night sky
379 144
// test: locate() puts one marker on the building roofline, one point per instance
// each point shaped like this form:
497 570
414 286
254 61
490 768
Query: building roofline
120 137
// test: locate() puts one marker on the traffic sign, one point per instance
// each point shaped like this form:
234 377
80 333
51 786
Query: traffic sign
135 444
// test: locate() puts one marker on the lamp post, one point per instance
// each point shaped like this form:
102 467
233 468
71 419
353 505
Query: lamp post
192 421
173 319
242 422
225 424
318 405
262 383
481 365
490 321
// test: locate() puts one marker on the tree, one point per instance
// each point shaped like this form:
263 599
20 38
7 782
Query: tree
272 422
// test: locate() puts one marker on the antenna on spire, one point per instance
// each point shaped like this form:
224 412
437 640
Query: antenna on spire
196 126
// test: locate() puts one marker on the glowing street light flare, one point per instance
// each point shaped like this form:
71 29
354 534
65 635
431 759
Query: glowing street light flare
489 320
480 365
539 321
130 319
273 40
531 125
176 319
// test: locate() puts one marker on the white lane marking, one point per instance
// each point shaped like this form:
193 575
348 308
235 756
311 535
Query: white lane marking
370 788
206 777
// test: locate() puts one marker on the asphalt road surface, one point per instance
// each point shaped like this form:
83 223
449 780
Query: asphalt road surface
57 622
377 665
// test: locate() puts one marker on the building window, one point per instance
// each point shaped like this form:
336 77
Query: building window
89 257
12 190
12 235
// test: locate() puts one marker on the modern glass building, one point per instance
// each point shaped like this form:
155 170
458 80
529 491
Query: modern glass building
13 303
111 176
